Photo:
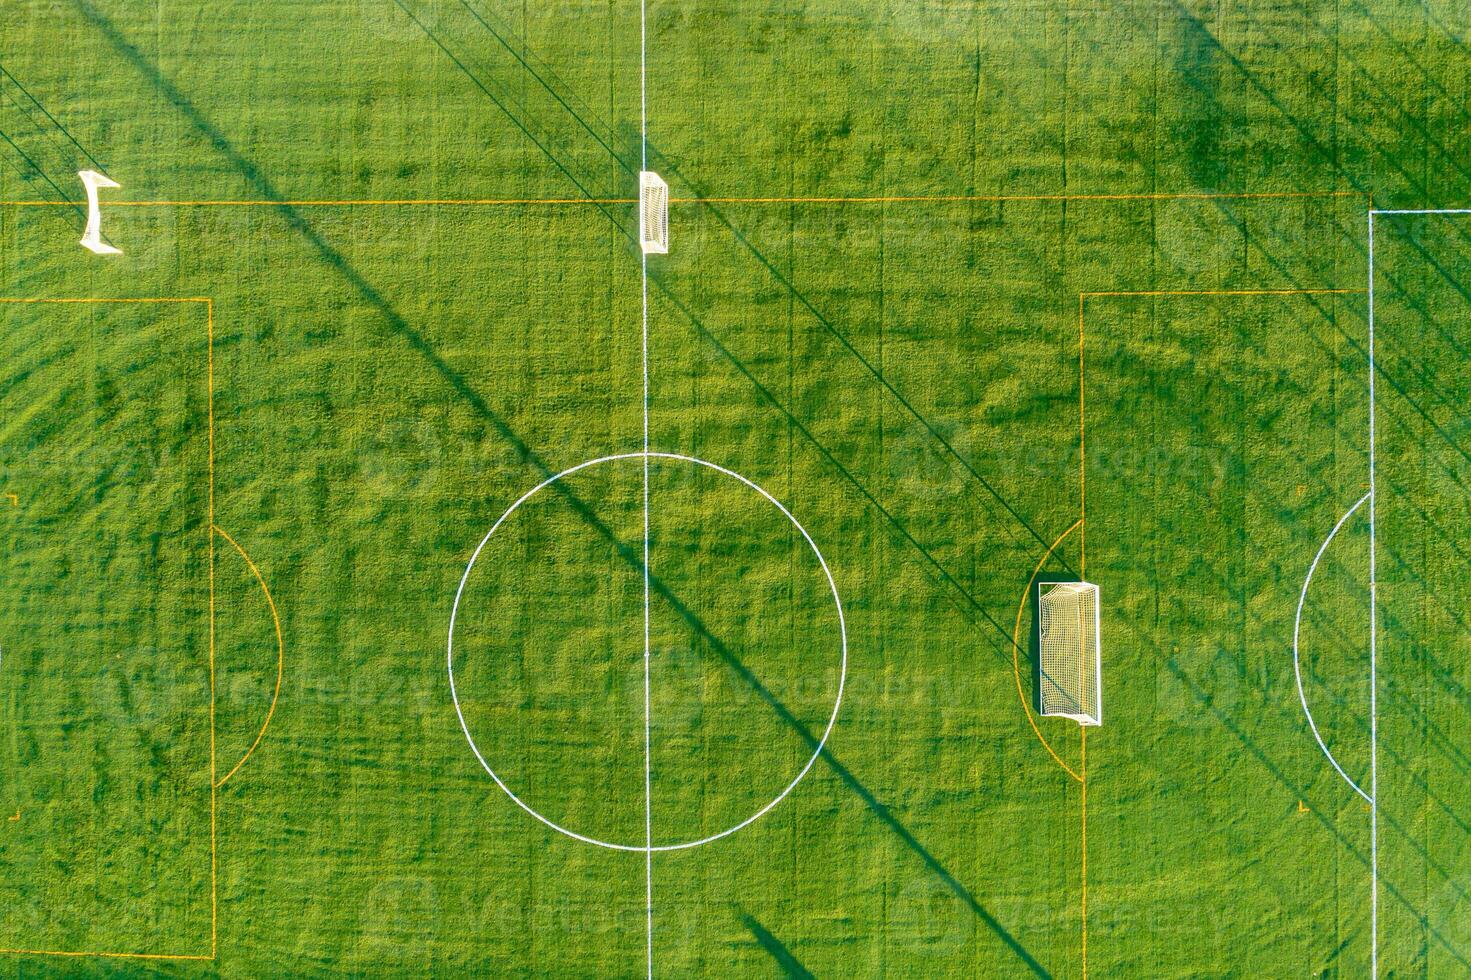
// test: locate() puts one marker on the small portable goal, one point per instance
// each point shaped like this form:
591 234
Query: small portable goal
1070 661
653 213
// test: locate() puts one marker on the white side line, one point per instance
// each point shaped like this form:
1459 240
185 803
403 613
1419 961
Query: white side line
643 113
1422 211
1373 650
1373 585
648 752
643 83
1296 662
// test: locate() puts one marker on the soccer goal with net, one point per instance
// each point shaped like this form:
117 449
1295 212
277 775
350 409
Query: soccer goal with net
653 213
1070 663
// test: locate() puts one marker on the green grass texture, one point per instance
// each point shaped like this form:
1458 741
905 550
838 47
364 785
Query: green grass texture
975 293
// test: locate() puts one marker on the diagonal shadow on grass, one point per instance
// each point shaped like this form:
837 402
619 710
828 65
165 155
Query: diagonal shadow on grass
33 166
669 167
790 965
50 118
461 386
1249 744
1001 647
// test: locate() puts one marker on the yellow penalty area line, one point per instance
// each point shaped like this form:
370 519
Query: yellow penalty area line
113 956
1082 525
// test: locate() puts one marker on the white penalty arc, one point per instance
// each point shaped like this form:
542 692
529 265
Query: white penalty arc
1296 659
821 742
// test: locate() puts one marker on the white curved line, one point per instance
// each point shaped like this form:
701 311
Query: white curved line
842 672
1297 663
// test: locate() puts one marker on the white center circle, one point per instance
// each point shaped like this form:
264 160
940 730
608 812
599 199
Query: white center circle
820 742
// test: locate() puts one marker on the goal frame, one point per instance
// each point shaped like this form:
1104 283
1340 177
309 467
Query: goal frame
1085 719
653 213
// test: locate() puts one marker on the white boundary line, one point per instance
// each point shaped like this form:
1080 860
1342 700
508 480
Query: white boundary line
1421 211
1296 662
1374 583
1373 496
648 651
837 700
648 703
643 116
1373 646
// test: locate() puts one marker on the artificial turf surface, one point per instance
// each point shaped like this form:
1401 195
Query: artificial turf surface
405 231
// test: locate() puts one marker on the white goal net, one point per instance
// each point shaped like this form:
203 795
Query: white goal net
1071 667
653 213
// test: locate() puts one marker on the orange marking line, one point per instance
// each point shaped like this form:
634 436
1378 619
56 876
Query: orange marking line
1083 573
1016 652
399 202
14 499
1082 454
122 301
209 306
280 654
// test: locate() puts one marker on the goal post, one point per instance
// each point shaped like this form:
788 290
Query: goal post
1069 660
653 213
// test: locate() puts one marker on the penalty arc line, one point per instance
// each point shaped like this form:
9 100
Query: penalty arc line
1296 660
1016 651
280 654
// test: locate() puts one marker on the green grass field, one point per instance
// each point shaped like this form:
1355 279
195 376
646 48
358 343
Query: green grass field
976 294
